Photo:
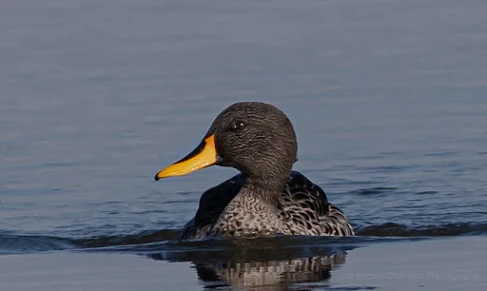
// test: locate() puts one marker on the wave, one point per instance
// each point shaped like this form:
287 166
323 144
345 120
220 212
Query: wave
151 240
14 244
400 230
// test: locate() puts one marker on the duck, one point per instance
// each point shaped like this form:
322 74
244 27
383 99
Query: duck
267 198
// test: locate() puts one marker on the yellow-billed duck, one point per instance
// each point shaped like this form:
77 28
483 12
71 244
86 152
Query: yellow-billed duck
267 197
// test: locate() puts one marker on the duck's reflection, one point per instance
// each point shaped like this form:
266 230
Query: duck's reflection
260 265
270 275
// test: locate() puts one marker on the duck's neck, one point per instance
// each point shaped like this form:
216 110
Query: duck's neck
266 189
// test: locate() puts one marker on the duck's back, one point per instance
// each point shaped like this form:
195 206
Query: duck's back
305 210
308 212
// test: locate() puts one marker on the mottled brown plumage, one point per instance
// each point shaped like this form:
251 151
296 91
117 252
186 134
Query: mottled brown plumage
305 209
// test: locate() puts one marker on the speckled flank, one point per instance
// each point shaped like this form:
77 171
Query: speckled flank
305 211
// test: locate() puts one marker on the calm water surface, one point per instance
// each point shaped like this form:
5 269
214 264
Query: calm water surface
388 98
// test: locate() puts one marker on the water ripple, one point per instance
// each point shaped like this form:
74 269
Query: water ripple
150 240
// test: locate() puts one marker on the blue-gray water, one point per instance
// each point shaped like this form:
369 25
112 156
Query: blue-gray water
388 98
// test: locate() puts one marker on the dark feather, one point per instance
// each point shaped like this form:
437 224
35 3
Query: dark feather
304 208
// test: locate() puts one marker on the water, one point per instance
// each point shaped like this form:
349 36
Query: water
388 99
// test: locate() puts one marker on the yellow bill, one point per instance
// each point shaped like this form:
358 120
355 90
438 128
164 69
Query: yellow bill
201 157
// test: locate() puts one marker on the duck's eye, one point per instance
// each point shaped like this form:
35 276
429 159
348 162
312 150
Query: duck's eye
239 125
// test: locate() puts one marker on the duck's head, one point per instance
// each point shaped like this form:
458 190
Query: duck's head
256 138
